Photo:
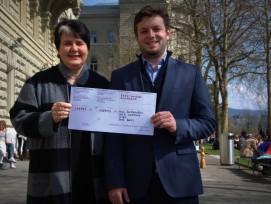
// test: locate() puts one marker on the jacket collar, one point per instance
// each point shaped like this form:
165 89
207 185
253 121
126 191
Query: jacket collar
140 57
170 76
82 78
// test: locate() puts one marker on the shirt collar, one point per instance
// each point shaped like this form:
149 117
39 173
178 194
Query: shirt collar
65 71
160 63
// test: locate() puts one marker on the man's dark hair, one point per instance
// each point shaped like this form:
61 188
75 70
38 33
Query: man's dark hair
73 27
151 11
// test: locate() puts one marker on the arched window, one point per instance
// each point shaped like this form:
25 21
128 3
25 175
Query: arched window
93 37
93 64
111 37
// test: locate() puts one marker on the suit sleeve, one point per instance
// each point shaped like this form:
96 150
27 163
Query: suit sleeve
201 121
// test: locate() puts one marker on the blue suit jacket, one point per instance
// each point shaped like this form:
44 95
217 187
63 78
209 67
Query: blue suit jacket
129 159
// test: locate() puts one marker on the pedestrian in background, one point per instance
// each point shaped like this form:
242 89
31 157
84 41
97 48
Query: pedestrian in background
244 133
162 168
61 168
236 142
3 147
22 147
241 140
216 144
7 146
249 146
10 143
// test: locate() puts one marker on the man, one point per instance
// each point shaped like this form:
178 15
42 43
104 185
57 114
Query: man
162 168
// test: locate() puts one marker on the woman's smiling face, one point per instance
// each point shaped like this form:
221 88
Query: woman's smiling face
73 51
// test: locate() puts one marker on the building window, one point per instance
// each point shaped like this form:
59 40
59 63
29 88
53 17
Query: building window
93 37
110 63
93 64
111 37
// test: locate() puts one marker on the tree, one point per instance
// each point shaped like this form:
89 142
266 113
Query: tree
220 32
264 16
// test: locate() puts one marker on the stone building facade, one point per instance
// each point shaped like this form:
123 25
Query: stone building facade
102 21
26 42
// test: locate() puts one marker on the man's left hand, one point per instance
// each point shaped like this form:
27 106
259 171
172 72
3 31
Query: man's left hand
164 119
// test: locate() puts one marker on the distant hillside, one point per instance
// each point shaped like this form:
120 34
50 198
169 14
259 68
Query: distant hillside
236 112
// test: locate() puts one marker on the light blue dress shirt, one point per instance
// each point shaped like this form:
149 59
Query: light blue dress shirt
152 72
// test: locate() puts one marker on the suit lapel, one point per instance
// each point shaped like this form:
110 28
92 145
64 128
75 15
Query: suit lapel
170 77
135 77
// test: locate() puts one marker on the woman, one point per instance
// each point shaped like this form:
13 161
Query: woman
10 143
249 146
61 160
3 148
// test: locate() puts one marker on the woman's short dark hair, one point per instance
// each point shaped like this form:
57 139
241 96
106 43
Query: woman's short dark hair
151 11
3 123
73 27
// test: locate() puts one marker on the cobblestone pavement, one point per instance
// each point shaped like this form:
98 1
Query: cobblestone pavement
222 184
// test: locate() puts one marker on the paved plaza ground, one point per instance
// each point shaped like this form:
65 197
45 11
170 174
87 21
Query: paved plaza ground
229 184
222 184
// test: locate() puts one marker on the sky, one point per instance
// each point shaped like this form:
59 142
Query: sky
237 100
240 97
93 2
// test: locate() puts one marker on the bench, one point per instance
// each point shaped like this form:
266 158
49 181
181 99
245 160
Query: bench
264 164
266 168
246 162
265 161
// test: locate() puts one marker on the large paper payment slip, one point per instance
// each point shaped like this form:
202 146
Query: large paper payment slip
115 111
